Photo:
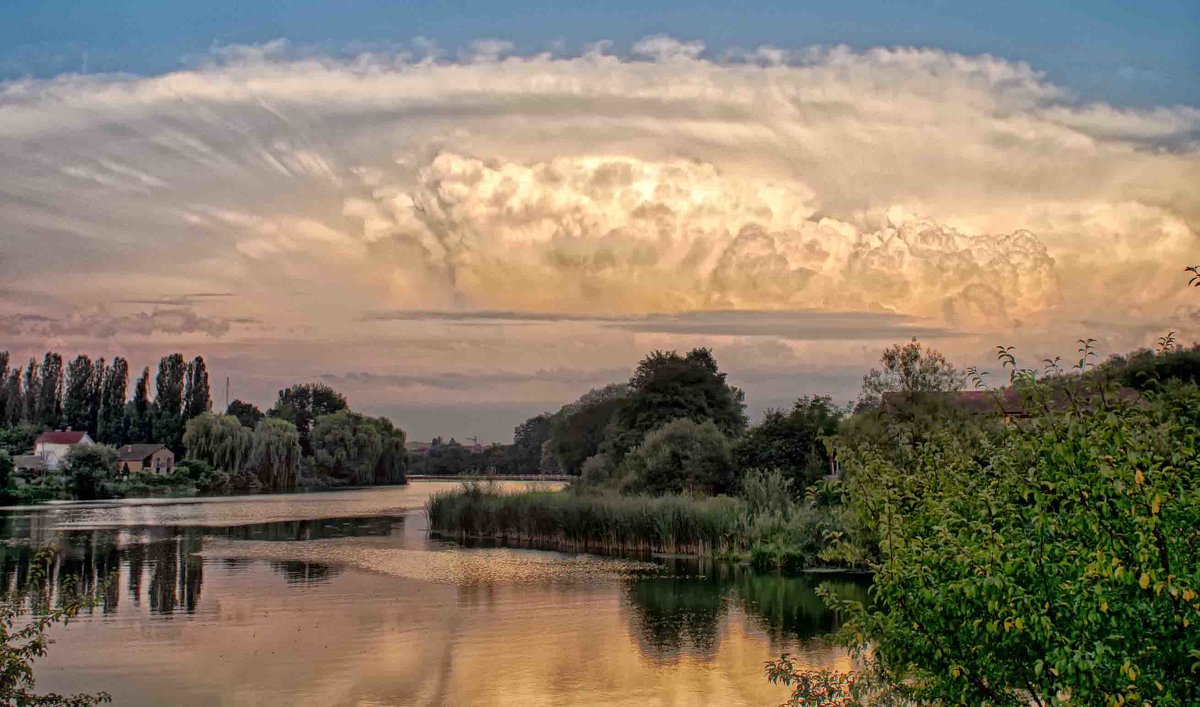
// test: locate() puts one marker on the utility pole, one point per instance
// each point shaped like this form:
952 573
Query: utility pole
226 393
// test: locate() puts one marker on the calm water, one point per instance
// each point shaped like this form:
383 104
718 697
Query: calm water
341 599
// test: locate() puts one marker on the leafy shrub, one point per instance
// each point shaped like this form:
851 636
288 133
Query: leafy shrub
681 456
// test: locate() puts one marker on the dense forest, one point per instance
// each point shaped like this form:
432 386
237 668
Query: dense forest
309 437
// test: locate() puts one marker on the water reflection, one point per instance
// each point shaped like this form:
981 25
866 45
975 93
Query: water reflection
159 565
680 611
360 607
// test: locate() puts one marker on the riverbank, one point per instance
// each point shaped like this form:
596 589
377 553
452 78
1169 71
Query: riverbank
719 527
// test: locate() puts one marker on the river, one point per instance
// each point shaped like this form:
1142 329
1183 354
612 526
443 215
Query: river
341 598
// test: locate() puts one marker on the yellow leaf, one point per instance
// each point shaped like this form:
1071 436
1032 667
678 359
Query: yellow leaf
1155 505
1144 581
1139 477
1104 607
1188 595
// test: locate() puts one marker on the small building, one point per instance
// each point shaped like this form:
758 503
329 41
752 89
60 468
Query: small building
154 458
52 447
28 466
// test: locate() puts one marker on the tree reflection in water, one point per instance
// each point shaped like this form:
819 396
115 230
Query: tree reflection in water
161 561
680 611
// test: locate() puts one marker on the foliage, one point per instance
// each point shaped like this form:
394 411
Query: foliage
525 455
275 454
79 406
681 456
667 386
247 413
139 415
197 398
19 439
792 442
168 420
218 440
910 368
767 491
813 687
88 467
1060 566
48 411
579 429
302 404
1152 371
23 640
6 469
110 421
359 449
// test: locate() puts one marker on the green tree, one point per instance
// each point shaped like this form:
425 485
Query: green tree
50 391
31 384
76 407
197 398
218 440
667 386
578 431
525 455
302 404
168 402
275 453
6 468
4 372
792 442
139 414
13 398
110 418
18 439
88 467
910 368
359 449
1058 566
681 456
246 413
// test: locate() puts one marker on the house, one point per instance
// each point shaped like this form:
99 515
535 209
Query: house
28 466
52 447
154 458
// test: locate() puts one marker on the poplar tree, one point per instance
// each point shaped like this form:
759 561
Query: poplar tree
32 385
197 398
75 409
110 422
168 401
49 407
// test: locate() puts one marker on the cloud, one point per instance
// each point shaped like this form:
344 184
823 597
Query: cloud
460 381
102 325
632 197
811 325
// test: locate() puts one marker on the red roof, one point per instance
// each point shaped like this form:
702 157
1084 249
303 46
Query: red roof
60 437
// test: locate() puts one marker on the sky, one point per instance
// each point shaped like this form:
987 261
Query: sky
462 214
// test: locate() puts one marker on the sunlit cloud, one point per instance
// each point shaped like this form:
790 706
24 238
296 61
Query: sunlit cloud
597 195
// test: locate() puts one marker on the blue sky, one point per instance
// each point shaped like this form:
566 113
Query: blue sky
1125 53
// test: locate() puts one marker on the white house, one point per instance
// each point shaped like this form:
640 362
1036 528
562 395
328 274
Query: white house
52 447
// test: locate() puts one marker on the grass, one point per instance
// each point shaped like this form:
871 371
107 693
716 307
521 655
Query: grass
590 523
790 537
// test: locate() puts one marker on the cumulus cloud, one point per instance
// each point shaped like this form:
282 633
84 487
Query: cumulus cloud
965 194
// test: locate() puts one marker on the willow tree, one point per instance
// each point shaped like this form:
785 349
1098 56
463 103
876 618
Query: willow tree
218 440
275 453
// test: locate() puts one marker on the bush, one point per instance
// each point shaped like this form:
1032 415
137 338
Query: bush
681 456
1059 567
88 467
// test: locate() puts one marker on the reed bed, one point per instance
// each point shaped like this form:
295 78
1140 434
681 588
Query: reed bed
592 523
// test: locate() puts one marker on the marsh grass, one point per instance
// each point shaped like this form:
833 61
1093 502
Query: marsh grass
591 523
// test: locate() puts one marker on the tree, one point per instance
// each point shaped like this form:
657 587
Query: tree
275 453
13 398
302 404
218 440
682 455
1059 566
3 387
246 413
32 386
528 437
792 442
87 467
110 419
139 421
76 407
50 391
6 468
168 402
197 398
18 439
359 449
667 386
95 393
910 369
578 430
